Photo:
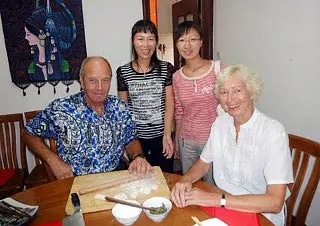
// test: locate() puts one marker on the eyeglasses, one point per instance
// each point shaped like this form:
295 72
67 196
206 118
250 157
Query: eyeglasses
182 41
235 91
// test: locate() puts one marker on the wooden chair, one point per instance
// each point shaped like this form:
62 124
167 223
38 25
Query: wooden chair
302 149
13 153
41 173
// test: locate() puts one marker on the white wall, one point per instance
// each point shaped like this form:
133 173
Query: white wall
107 29
108 26
164 8
281 41
164 11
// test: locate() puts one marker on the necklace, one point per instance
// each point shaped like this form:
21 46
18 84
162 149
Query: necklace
141 69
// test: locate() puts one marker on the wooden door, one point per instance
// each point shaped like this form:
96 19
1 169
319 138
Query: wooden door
197 10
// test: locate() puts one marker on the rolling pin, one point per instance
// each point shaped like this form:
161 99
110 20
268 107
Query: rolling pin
109 184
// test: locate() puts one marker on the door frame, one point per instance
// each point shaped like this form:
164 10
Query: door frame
206 21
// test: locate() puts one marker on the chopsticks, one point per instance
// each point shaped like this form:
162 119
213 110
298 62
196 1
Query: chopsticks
196 220
127 203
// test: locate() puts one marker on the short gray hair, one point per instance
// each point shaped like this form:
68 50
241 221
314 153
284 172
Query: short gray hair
251 80
86 60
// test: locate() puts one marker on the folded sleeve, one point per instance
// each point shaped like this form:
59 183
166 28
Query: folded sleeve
122 86
43 124
278 168
169 75
207 151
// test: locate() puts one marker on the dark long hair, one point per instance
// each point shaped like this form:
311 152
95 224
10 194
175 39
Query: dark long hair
184 28
145 26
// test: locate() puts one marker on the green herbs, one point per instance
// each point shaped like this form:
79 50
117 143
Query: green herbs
159 210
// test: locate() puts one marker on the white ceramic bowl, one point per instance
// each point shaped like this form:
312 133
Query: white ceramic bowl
126 215
157 202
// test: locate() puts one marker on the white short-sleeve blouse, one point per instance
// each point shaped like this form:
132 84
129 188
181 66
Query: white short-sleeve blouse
260 157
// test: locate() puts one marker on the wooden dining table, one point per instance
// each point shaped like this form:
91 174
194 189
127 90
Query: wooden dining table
52 198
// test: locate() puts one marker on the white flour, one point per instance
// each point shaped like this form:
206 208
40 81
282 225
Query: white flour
121 195
142 186
133 189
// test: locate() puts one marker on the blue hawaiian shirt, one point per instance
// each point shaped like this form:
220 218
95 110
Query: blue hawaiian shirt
89 143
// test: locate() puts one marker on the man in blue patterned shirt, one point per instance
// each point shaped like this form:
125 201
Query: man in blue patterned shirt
92 129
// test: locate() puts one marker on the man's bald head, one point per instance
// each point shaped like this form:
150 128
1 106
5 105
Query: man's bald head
90 59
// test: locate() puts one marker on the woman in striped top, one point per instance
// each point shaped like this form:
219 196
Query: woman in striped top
146 85
195 101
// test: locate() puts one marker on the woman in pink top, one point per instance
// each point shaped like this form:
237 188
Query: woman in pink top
195 101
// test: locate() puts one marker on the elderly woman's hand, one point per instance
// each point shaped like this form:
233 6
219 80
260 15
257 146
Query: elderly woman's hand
199 197
140 167
179 191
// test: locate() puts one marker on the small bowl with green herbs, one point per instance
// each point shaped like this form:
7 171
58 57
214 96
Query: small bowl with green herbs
161 208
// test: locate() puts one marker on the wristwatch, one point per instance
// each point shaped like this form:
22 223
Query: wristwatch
223 200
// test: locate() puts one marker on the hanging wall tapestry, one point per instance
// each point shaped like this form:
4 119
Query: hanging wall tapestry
45 41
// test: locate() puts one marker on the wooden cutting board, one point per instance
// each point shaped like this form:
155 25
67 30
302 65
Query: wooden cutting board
140 189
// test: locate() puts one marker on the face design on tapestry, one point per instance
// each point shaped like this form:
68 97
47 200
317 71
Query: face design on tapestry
144 44
45 45
189 44
235 98
31 38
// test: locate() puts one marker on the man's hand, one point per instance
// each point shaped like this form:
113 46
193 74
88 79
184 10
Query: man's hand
59 168
178 192
140 167
167 146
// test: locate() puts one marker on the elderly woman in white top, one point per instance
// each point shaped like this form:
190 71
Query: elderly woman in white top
250 153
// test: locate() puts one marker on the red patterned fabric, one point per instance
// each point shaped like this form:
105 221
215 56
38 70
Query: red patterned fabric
232 217
5 175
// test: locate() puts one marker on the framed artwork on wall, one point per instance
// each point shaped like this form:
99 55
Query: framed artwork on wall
45 41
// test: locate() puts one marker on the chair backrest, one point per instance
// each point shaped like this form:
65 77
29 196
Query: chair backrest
52 144
302 149
12 147
28 116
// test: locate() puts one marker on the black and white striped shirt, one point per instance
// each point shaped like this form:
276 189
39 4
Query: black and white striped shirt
146 96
